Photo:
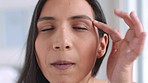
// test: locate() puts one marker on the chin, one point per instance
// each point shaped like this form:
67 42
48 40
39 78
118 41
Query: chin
64 80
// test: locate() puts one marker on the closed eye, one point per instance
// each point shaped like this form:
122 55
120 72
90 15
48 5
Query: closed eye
80 28
47 29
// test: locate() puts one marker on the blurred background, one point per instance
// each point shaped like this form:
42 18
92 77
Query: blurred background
15 18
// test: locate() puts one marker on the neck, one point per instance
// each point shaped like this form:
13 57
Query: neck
88 79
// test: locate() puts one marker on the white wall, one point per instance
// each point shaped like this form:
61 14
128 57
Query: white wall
14 4
145 52
10 55
15 17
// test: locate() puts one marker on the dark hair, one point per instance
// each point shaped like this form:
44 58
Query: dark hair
31 72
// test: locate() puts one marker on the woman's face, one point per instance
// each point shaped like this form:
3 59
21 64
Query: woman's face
67 43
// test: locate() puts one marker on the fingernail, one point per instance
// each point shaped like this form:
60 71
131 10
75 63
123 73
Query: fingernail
117 11
133 14
95 21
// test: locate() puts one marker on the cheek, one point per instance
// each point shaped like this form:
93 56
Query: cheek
88 44
41 51
87 52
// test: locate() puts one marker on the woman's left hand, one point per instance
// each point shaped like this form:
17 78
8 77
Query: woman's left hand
124 50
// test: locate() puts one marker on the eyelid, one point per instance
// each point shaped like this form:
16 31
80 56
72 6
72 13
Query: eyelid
83 21
47 29
81 24
80 27
44 23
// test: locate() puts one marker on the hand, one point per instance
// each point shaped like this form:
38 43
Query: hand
124 50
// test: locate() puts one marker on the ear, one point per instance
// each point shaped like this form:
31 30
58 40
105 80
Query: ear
103 42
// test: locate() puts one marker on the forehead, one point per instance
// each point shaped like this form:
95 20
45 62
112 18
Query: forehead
66 8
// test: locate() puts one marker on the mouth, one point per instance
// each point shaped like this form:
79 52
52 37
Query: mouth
62 65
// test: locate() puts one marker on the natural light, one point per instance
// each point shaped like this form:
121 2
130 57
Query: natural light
15 20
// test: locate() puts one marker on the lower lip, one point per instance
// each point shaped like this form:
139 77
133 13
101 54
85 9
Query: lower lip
63 67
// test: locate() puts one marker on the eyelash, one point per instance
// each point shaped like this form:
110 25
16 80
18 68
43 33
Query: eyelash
80 28
47 29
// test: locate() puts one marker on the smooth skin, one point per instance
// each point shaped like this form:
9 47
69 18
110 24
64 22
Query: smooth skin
124 50
68 36
65 41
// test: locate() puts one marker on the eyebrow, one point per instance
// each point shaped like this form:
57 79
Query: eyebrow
73 17
81 17
46 18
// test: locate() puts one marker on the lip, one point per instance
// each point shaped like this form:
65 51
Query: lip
62 64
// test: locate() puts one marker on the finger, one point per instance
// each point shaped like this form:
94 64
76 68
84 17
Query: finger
115 35
138 27
125 16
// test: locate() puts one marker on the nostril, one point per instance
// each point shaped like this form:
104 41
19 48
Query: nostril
57 47
67 47
61 47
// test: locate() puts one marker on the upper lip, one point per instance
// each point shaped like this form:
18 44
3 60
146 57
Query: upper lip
62 62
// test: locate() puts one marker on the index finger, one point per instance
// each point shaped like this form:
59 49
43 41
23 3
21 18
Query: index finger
114 34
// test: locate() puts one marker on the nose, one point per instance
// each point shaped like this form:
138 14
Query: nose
61 46
63 38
